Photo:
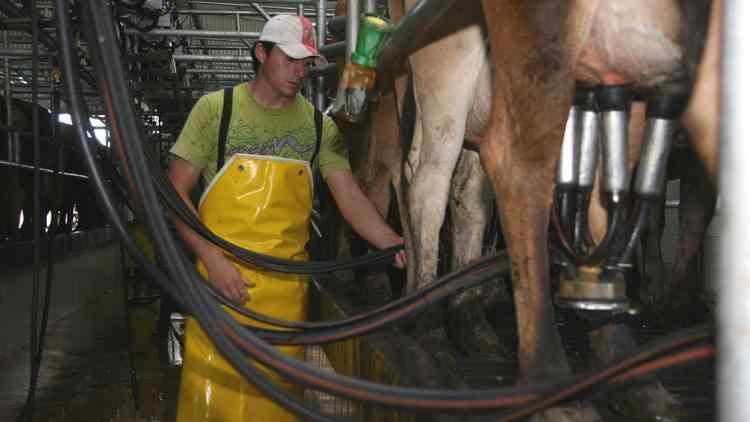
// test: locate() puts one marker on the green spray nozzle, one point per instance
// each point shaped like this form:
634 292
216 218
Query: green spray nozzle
373 31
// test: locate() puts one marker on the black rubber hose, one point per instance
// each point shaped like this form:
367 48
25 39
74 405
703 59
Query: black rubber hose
35 351
604 248
215 319
490 267
177 264
643 208
678 340
581 234
180 269
447 285
176 204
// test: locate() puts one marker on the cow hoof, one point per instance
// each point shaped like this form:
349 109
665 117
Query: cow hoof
472 334
436 343
647 403
567 414
377 289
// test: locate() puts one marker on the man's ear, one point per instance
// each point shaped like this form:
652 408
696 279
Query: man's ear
260 52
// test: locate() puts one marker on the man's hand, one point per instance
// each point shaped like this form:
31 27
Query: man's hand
399 260
227 278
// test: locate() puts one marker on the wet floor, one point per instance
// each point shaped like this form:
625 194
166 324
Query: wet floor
86 370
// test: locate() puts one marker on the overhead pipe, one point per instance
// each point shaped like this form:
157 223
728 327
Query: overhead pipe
19 52
210 58
159 32
320 82
352 26
13 12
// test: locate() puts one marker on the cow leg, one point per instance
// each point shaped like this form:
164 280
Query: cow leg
697 203
375 173
643 402
532 93
470 201
442 98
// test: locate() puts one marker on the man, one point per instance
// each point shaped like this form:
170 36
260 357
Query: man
260 200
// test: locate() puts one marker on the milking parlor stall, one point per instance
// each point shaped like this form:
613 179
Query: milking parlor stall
562 185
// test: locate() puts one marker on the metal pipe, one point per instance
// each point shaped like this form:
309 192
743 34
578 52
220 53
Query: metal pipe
210 58
246 71
570 151
8 103
651 176
220 12
244 3
370 6
589 149
320 85
18 52
615 151
734 267
352 26
409 34
193 33
5 163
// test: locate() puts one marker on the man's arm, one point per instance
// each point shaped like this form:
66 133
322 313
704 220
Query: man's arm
221 273
361 214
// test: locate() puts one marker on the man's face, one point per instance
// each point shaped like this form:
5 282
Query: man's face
284 73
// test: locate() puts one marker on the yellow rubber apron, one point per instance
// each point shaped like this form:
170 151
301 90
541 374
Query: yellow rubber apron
262 204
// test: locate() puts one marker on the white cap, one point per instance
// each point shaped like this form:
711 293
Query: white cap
294 35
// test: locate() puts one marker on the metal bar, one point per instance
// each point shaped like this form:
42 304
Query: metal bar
41 169
271 9
8 103
263 13
320 85
370 6
352 26
192 33
18 52
246 71
409 34
218 12
244 2
734 267
210 58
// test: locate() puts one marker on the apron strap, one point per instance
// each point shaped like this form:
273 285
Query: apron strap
226 115
318 134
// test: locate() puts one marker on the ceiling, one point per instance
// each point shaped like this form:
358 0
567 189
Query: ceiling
175 50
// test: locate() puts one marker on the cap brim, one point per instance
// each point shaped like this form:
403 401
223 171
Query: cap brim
300 51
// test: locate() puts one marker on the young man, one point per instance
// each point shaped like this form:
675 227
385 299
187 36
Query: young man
261 200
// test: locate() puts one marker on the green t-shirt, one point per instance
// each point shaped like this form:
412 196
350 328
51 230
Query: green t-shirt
254 129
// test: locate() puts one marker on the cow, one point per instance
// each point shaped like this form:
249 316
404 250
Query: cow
538 50
68 200
429 189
